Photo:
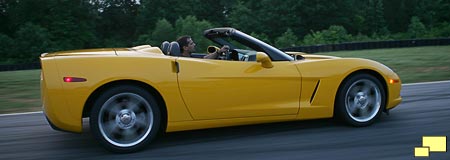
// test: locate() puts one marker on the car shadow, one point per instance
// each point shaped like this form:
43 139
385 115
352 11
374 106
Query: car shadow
180 138
236 132
87 141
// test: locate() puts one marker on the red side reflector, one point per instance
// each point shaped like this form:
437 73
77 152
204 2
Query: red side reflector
74 79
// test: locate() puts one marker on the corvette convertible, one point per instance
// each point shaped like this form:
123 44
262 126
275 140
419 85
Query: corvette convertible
131 95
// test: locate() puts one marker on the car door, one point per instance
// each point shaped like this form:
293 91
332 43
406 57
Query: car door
219 89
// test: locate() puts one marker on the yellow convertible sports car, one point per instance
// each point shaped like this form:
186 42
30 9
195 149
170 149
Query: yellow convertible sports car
132 94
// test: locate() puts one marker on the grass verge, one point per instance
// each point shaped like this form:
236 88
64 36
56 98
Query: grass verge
19 91
417 64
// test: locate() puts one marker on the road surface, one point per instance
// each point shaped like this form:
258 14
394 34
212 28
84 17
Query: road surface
424 111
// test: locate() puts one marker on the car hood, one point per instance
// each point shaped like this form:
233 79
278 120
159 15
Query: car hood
318 57
310 56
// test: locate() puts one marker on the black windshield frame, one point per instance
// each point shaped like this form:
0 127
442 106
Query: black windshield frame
217 35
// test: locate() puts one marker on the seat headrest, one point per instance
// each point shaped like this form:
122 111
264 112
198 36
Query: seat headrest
165 47
174 49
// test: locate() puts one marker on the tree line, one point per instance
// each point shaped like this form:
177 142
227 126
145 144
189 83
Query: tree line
31 27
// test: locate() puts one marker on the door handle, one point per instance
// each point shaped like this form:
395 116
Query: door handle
175 67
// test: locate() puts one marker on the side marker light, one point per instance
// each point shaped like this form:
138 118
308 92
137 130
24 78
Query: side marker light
392 81
74 79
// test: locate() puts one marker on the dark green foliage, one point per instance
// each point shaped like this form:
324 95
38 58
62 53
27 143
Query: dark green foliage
31 27
31 40
194 28
163 31
263 37
334 34
288 39
416 28
375 21
5 43
116 21
441 30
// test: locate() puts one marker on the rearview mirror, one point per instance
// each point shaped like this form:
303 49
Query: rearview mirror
264 59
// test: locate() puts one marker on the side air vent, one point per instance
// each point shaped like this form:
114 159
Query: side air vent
314 92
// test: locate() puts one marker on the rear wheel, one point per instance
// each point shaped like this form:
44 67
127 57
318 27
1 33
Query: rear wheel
360 100
125 118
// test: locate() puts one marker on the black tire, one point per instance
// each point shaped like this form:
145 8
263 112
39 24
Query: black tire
360 100
125 118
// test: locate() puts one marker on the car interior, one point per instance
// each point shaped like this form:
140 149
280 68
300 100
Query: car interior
234 54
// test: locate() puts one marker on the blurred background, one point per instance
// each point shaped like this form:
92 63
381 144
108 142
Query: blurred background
31 27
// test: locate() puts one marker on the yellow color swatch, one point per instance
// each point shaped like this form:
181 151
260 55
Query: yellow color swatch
435 143
421 152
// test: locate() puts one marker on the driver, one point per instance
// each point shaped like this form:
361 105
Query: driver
187 46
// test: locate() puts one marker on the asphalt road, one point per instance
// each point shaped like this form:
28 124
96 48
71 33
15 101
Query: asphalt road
424 111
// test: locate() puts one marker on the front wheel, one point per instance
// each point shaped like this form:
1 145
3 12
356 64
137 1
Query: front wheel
125 118
360 100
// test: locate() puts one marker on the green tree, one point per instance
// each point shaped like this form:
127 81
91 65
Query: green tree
116 23
375 22
5 48
272 18
334 34
31 40
320 14
441 10
263 37
416 28
397 13
163 31
72 27
440 30
288 39
150 11
193 27
242 18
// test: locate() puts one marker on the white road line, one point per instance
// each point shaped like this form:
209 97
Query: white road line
408 84
422 83
24 113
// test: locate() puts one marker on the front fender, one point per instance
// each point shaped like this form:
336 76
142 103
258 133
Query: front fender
321 79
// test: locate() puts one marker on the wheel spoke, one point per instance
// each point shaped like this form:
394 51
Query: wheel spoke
363 112
370 101
366 89
113 110
110 127
353 91
352 108
134 104
129 134
141 120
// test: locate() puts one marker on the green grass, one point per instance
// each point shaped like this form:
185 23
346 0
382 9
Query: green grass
19 90
417 64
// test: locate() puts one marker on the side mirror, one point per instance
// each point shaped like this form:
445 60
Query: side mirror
299 57
264 60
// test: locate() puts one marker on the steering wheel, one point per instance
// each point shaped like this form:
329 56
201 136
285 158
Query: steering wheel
222 56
